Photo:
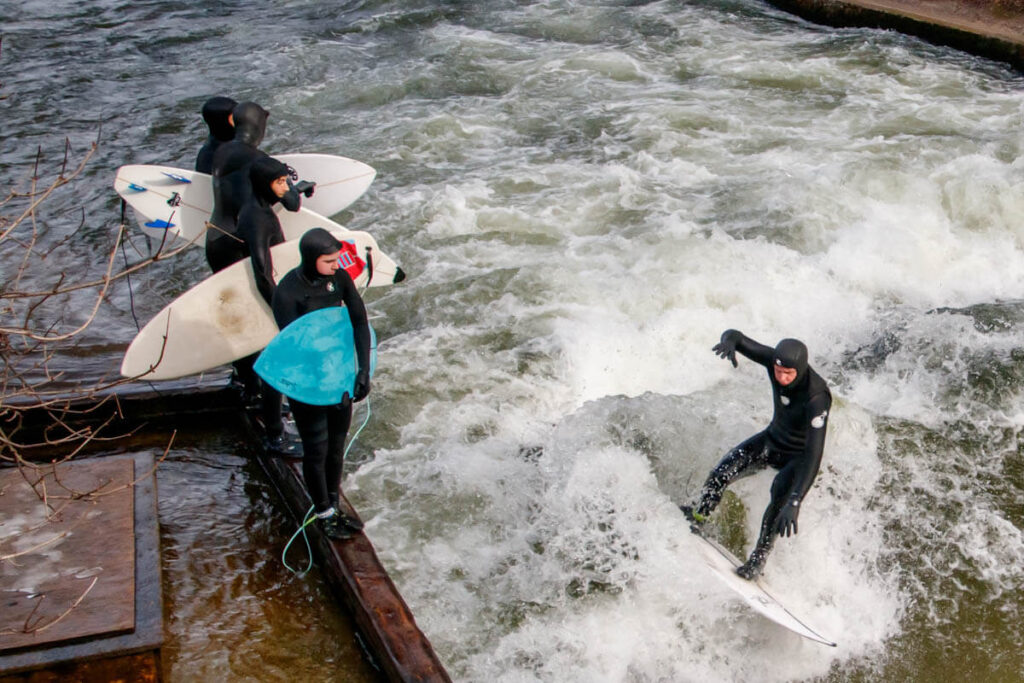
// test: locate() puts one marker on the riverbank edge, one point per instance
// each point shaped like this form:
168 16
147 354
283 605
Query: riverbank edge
982 34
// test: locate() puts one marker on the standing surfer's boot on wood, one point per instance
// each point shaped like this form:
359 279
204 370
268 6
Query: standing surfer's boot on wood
281 446
330 524
347 520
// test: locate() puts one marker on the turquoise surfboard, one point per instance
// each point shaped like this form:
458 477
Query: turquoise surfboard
313 359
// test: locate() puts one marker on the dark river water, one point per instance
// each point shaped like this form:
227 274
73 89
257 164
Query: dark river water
584 195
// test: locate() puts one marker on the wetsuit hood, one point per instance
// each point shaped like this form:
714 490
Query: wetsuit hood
791 353
314 244
216 111
250 123
262 173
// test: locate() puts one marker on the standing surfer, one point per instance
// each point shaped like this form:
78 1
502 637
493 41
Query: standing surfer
217 114
259 229
792 443
232 189
231 185
319 282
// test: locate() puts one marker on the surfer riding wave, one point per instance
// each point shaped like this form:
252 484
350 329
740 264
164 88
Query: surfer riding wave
792 444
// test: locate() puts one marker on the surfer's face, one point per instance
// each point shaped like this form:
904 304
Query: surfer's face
784 375
328 263
279 186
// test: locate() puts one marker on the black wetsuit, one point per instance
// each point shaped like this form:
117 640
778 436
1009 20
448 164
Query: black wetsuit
231 185
259 230
216 111
792 443
323 428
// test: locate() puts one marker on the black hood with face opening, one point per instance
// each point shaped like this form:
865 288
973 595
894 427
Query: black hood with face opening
792 353
314 244
262 173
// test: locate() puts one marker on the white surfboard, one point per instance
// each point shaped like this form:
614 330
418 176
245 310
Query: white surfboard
171 199
224 317
182 197
339 180
723 564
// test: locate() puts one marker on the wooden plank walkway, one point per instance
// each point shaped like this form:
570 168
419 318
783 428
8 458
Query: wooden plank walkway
356 574
80 591
79 554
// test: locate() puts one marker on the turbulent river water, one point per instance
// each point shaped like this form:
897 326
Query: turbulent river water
585 195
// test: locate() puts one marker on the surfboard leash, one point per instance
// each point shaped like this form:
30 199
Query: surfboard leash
306 521
310 514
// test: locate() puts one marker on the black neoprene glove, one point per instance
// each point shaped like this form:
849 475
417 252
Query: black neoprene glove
362 387
726 347
785 523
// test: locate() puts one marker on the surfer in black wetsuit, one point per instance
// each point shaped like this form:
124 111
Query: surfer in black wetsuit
259 230
792 443
317 283
217 114
232 187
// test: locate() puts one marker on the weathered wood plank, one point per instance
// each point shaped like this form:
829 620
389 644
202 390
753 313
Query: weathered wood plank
76 576
354 571
67 657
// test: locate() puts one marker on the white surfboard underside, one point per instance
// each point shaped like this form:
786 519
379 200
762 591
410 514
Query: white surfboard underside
224 317
723 565
185 198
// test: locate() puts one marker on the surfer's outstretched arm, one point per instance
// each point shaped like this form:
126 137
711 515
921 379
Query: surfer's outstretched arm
734 340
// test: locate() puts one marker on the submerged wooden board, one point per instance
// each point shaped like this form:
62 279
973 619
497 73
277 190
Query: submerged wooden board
76 578
81 658
355 572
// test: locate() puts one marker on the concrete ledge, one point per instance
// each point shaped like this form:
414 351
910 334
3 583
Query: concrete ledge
964 27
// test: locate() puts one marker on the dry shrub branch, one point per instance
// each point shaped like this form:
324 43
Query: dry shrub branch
45 305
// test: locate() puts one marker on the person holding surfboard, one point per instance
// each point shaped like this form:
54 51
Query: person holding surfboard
231 184
232 189
792 443
318 282
259 229
217 114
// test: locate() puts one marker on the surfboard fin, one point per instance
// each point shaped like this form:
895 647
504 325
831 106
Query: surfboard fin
163 225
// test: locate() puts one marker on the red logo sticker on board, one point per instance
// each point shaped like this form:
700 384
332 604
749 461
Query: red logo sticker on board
349 259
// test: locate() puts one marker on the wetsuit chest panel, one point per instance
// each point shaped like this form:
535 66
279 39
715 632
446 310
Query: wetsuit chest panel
788 429
792 419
